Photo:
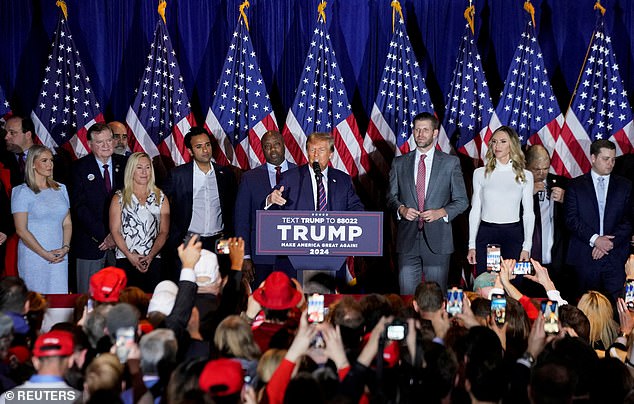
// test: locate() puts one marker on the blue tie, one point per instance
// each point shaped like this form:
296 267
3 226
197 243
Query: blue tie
321 193
601 200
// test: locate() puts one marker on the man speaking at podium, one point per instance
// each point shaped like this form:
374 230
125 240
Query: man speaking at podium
315 186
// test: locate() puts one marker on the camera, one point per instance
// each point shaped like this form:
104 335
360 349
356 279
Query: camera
396 330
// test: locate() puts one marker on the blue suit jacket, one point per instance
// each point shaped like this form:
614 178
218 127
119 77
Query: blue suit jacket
298 190
90 204
582 219
180 190
254 187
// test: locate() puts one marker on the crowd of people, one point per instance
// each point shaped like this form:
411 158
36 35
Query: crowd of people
239 327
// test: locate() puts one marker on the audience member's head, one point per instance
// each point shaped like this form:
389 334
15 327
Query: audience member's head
95 324
485 379
277 295
348 315
551 383
234 339
612 382
6 335
105 373
107 284
183 383
158 351
222 379
603 328
163 298
429 297
136 297
122 315
571 317
13 295
52 353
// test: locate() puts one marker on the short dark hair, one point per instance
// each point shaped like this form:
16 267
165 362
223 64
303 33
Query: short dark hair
97 128
597 145
429 296
571 316
13 294
27 124
552 383
195 131
426 116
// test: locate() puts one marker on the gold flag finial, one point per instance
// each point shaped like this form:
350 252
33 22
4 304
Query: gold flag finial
321 9
396 8
243 14
530 9
161 9
62 4
598 6
469 15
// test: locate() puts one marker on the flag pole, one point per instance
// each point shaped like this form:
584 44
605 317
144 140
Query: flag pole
62 4
396 8
243 14
161 10
530 9
321 9
597 6
469 15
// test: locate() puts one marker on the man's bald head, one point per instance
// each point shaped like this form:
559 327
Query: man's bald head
538 162
120 135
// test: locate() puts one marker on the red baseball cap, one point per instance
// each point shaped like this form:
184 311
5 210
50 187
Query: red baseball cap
107 284
278 292
222 377
54 343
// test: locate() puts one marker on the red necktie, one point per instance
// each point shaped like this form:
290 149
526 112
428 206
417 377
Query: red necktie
106 178
278 175
420 187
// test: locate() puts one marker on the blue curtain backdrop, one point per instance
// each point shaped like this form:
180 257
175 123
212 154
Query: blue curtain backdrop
113 37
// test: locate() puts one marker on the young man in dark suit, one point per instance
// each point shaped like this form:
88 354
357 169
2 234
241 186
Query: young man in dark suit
598 209
95 178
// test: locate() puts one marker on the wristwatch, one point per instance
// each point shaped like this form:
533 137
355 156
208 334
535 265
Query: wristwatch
527 359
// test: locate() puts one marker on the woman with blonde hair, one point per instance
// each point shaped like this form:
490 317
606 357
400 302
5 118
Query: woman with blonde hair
139 223
105 373
41 214
234 339
603 328
500 188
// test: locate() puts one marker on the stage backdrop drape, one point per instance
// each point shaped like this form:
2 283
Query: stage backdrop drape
114 36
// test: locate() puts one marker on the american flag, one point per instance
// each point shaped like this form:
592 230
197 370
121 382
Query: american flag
402 94
5 108
160 115
241 111
66 106
527 103
469 110
321 105
599 108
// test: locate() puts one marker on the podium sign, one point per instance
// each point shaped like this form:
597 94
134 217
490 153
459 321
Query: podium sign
331 233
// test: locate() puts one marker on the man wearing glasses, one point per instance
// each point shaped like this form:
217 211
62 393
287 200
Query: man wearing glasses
120 137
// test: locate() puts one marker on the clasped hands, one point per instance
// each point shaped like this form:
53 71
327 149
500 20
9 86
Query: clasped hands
602 246
430 215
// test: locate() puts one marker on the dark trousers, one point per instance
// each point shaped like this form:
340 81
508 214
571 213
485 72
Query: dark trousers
148 280
509 237
603 277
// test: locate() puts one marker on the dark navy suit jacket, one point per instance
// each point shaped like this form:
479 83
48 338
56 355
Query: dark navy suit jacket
298 190
180 190
90 204
582 219
255 186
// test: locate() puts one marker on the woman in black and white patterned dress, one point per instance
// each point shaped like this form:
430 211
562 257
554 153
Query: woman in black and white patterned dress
139 223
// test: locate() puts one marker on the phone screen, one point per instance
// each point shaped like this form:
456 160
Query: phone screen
454 301
523 268
550 311
222 246
125 337
316 308
498 309
629 294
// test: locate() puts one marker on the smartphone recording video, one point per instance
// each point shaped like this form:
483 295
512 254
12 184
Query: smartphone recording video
125 337
498 309
523 268
396 331
315 308
550 312
629 294
454 301
222 247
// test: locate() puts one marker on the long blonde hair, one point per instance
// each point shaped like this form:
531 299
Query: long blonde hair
599 311
517 156
234 338
35 152
126 193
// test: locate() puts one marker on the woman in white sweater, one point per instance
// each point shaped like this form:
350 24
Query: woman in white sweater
500 190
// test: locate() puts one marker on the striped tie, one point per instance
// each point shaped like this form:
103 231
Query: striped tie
420 188
321 193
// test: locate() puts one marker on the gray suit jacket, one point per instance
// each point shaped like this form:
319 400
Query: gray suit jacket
446 189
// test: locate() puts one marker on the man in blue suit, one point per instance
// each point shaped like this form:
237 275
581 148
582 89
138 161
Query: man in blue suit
95 178
255 185
299 188
598 214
